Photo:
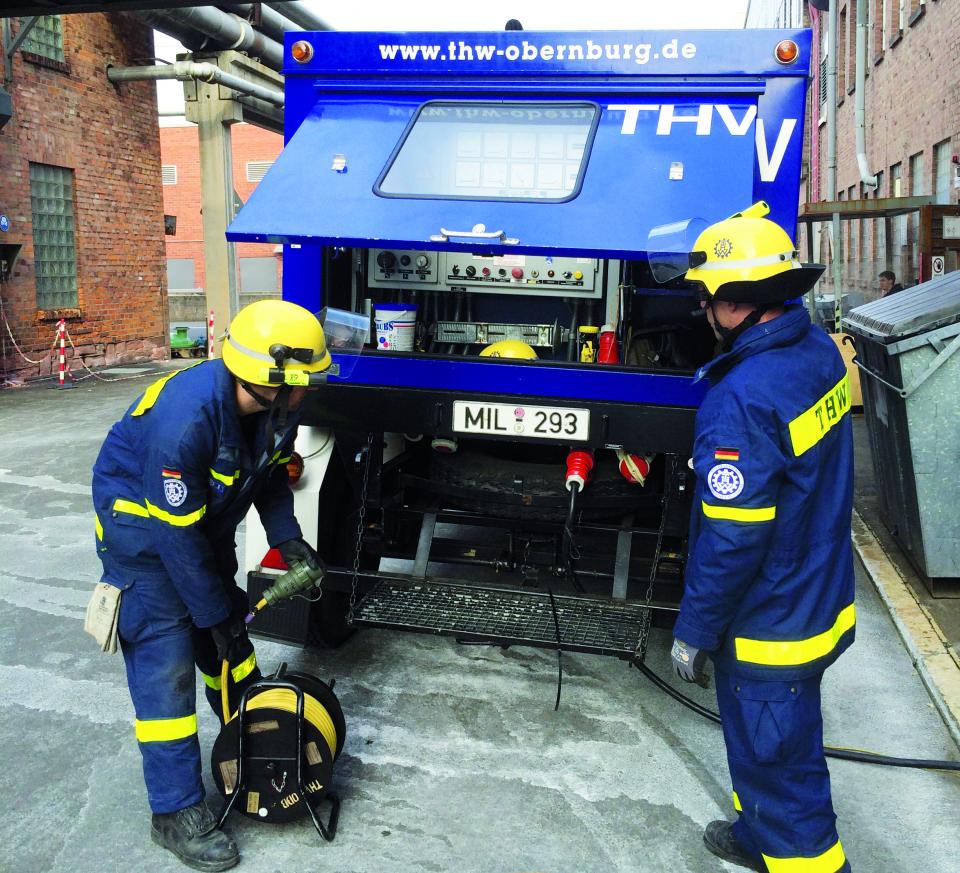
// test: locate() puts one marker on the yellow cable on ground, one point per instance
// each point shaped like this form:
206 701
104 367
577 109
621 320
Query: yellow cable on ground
313 711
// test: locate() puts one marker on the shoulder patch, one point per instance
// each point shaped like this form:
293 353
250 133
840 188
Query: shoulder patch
175 491
725 481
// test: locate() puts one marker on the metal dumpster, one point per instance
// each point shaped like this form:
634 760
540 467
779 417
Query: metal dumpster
907 350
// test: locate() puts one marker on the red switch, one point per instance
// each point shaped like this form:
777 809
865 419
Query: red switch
517 273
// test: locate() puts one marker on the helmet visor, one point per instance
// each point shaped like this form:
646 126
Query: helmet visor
669 247
345 334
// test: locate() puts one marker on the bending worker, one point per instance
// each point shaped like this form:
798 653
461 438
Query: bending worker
769 581
174 478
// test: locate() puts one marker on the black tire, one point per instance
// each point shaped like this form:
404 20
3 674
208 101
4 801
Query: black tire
521 488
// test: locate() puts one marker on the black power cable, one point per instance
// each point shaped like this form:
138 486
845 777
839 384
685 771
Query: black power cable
842 754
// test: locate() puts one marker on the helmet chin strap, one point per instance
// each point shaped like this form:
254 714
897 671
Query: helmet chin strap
280 404
728 335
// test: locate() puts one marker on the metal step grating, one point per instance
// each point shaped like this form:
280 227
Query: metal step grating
503 616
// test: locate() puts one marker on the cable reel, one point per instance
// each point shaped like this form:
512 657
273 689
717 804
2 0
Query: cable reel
273 760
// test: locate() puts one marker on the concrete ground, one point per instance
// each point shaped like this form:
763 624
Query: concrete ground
454 759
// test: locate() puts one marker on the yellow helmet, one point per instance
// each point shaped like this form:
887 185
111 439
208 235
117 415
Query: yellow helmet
749 259
509 348
270 329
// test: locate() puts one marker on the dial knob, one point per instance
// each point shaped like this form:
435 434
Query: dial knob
471 270
404 260
517 273
567 274
456 270
422 261
386 260
577 274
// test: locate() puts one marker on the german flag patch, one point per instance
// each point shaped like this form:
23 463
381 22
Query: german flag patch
170 474
726 454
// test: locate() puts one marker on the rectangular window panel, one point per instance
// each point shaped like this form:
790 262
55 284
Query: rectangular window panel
258 275
942 171
168 173
54 229
256 170
493 151
45 38
181 274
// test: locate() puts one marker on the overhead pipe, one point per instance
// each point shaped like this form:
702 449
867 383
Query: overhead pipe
866 176
189 37
273 24
205 72
300 14
227 31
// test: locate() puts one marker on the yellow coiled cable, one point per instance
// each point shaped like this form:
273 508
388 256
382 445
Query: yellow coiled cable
286 701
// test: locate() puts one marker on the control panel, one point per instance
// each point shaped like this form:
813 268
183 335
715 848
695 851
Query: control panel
542 275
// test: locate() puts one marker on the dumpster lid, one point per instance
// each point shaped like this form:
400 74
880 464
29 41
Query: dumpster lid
914 310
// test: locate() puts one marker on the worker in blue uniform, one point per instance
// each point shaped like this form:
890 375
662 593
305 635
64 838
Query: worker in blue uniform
173 480
769 587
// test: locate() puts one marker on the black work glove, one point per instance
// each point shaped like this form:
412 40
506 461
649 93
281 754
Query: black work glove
226 635
299 550
688 663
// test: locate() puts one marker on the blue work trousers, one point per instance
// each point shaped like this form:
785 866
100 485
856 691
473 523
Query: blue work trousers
774 736
161 647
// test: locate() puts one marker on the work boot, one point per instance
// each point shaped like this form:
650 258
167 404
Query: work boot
719 839
192 835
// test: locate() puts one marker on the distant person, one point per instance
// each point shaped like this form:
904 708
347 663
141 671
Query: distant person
888 283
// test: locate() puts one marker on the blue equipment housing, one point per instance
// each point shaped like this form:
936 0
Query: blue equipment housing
521 185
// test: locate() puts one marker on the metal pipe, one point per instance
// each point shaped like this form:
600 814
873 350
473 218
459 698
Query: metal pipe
205 72
860 101
273 24
835 253
190 38
301 15
228 31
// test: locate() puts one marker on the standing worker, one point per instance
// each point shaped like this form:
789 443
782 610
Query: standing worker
769 582
174 478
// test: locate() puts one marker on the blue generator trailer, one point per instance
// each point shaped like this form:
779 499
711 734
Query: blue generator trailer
512 212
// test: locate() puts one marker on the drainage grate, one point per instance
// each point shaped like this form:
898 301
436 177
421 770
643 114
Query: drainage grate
504 616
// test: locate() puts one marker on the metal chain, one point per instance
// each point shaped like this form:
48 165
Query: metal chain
640 653
361 515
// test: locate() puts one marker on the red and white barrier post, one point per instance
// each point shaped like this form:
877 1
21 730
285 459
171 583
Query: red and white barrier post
62 374
210 334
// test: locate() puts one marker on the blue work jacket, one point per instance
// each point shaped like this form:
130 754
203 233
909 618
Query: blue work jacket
176 476
769 583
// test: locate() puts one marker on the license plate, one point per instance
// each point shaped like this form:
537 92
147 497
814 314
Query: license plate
507 419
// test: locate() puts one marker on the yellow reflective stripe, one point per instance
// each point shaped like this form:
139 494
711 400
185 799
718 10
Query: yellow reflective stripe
131 508
176 520
211 681
808 428
829 862
739 513
244 668
276 456
787 654
97 526
285 460
736 802
159 730
153 392
223 477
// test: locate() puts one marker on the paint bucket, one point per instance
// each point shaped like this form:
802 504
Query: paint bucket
396 325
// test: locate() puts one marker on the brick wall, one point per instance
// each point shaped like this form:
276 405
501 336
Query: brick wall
912 103
74 118
180 148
